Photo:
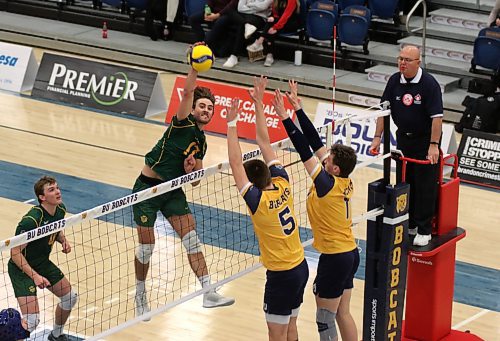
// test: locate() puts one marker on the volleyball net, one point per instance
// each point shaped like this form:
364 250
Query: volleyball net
100 266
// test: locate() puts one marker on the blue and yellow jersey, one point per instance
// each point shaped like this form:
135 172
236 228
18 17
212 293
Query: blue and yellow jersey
329 211
181 139
274 221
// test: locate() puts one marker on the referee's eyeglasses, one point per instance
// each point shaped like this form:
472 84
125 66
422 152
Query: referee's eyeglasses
406 60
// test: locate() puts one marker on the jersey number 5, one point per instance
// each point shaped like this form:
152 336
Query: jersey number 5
286 219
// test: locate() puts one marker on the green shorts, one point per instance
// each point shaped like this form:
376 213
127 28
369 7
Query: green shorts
24 285
170 203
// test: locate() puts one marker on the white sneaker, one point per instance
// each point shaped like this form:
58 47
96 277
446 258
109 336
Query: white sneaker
413 231
269 60
141 305
421 239
255 47
231 61
249 30
212 299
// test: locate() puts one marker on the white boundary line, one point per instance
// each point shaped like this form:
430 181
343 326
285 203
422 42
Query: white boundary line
470 319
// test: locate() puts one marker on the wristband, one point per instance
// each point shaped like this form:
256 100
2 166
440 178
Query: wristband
379 136
436 143
233 122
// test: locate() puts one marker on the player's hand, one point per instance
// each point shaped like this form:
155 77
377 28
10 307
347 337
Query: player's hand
41 281
233 110
375 146
292 96
279 105
189 163
272 31
66 246
259 87
433 154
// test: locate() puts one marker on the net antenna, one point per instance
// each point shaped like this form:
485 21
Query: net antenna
101 264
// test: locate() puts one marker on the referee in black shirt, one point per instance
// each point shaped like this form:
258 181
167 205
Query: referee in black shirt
417 110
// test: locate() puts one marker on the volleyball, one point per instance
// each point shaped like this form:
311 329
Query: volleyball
201 58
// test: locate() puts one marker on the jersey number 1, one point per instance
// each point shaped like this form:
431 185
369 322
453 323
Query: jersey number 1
286 219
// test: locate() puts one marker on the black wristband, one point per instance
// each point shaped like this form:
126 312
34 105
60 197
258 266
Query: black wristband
436 143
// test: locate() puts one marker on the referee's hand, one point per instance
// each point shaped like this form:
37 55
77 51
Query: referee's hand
433 154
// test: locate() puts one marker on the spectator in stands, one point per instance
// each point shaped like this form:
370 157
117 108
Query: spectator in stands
417 110
285 18
224 20
494 18
254 14
167 12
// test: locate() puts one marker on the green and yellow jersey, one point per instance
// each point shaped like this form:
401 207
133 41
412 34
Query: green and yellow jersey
38 251
329 212
181 139
274 222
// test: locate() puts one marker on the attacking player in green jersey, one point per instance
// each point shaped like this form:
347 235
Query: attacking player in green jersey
30 266
179 151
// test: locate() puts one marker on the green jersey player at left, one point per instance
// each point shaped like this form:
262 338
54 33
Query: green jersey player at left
179 151
30 266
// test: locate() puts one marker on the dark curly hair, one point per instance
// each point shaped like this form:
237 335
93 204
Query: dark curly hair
344 157
202 92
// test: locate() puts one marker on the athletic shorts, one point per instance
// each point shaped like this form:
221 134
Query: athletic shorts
335 273
24 285
170 203
285 289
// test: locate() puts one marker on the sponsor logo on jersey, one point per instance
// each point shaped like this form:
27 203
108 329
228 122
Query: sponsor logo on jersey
144 219
407 99
418 99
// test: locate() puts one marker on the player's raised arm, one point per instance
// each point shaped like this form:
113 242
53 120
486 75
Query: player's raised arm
233 145
299 141
308 128
262 134
186 105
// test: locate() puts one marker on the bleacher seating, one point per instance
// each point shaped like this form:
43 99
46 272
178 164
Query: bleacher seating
194 6
343 4
321 18
385 9
353 27
487 50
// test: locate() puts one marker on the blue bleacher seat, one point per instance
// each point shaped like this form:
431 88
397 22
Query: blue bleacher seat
321 18
346 3
384 9
487 50
353 26
194 7
138 5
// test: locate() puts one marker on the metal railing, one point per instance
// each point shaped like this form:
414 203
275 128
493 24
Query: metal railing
423 28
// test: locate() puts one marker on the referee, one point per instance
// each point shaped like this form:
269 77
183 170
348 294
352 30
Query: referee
417 110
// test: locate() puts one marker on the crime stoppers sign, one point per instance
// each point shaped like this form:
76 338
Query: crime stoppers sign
479 158
97 85
223 95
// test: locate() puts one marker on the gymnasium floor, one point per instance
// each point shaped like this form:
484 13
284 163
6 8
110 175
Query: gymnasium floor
97 157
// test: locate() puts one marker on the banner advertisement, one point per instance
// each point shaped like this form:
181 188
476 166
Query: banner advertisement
100 86
479 158
224 93
363 131
17 67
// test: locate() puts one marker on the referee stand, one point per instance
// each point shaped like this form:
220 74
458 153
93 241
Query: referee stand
426 275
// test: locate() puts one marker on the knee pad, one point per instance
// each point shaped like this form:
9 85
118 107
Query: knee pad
327 329
69 300
191 242
32 320
143 252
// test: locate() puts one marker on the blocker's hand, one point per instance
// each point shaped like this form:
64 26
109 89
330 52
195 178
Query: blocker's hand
189 164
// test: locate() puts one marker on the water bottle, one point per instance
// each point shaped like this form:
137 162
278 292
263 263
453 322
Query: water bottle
105 30
208 11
